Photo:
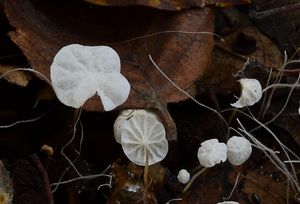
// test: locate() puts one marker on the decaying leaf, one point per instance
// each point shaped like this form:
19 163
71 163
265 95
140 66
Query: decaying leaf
273 25
268 190
40 33
19 78
174 5
230 56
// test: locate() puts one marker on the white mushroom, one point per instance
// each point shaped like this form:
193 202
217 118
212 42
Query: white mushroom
78 72
228 202
183 176
238 150
124 116
251 93
143 138
211 152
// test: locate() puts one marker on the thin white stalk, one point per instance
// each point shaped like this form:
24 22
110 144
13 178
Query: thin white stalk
23 121
174 199
280 165
234 187
70 141
29 70
167 32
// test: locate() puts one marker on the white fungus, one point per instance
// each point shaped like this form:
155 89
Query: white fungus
251 93
124 116
238 150
228 202
141 135
78 72
211 152
183 176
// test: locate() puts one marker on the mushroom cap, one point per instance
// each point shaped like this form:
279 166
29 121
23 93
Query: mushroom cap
228 202
124 116
238 150
78 72
211 152
251 93
144 133
183 176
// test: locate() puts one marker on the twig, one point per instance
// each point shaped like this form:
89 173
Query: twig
274 11
44 174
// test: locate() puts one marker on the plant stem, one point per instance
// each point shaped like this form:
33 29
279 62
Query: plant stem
193 179
146 177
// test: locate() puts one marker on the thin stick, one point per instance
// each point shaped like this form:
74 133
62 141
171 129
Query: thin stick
166 32
44 174
23 121
146 177
174 199
234 187
29 70
274 11
80 178
69 142
193 179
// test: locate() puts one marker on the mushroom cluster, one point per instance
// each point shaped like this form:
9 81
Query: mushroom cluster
212 152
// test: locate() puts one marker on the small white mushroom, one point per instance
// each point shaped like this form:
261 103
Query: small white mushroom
251 93
228 202
211 152
238 150
142 136
183 176
78 72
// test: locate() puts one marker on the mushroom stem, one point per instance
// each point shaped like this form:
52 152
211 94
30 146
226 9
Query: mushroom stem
193 179
146 177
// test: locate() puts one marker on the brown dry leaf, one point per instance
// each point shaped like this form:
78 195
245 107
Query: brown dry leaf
283 26
173 5
230 56
268 190
19 78
40 33
212 186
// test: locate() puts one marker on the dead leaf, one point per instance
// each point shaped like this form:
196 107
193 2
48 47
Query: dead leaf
230 56
40 33
274 25
268 190
19 78
173 5
219 180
